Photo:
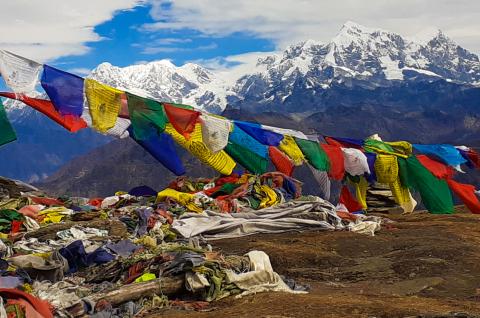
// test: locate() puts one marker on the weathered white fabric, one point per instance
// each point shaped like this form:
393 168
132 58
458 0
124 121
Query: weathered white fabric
367 224
33 245
284 131
3 312
289 216
195 282
260 278
3 249
120 130
409 206
374 137
215 132
464 148
365 227
356 163
31 224
323 181
109 201
20 74
77 232
61 294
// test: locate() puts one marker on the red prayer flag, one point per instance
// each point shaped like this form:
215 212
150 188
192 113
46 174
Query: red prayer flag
474 157
438 169
466 193
183 120
343 142
70 122
335 156
281 162
46 201
124 113
347 199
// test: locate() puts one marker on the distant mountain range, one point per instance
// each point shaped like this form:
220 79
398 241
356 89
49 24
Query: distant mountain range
363 81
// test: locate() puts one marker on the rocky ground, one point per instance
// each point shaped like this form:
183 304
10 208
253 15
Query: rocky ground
423 266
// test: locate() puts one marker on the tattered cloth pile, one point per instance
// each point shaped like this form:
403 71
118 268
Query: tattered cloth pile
124 255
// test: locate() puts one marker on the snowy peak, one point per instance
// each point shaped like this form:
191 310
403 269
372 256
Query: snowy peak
16 109
354 33
373 54
357 56
353 27
162 80
426 35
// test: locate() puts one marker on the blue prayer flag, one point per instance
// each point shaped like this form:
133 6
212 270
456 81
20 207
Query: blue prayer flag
64 89
264 136
162 148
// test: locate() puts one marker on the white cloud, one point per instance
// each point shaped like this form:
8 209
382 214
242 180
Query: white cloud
231 68
46 30
80 71
167 49
289 21
170 41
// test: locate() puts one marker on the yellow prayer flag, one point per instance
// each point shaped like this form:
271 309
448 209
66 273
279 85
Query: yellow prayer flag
361 192
403 196
104 103
291 149
386 168
219 161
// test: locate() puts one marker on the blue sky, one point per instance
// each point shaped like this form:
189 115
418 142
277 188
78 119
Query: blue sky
78 35
124 43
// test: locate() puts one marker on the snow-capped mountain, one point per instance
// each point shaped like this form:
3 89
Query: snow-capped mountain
18 111
162 80
357 57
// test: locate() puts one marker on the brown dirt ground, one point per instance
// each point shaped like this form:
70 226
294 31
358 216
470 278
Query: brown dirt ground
424 266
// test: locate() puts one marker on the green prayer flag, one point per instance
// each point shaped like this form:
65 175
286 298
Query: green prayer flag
7 134
147 116
248 159
315 155
403 172
371 145
435 193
